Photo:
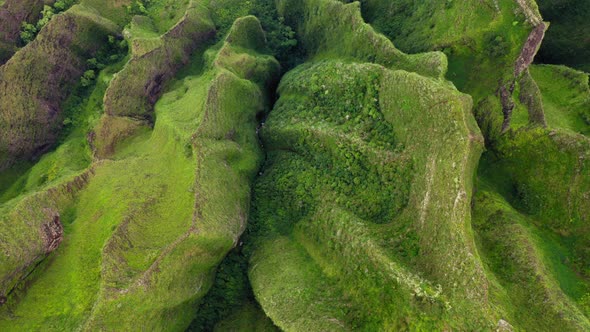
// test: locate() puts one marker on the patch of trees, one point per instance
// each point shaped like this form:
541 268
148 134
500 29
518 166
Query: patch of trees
29 31
281 38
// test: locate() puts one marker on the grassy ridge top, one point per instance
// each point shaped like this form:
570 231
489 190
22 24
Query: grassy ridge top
375 177
105 255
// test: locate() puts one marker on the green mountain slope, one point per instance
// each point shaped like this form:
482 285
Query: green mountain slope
297 165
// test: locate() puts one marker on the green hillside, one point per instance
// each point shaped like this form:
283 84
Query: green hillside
296 165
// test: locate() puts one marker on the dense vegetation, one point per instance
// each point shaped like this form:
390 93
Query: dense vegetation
567 41
322 165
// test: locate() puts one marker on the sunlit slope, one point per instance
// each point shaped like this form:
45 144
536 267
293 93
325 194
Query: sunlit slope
362 216
412 169
157 215
360 202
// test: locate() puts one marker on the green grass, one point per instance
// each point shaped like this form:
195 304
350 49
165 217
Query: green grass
458 29
167 13
53 69
361 200
482 41
248 318
73 154
285 276
332 29
539 288
140 82
348 170
141 242
566 97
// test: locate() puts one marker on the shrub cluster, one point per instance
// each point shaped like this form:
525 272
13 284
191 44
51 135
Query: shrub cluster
29 31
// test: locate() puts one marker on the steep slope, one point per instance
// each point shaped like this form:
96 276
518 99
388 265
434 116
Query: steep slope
565 97
490 44
143 236
157 190
131 96
12 14
377 176
361 219
31 102
567 41
366 189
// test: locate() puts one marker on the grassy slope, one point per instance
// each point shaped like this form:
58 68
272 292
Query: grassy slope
325 208
482 39
199 114
532 276
364 201
12 14
306 231
30 109
551 186
326 35
154 60
361 218
57 172
532 222
157 64
54 181
566 97
465 30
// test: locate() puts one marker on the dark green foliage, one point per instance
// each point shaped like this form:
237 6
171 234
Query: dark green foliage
496 46
341 134
281 38
567 39
230 289
87 79
138 7
74 115
29 31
